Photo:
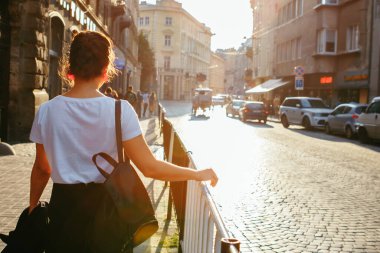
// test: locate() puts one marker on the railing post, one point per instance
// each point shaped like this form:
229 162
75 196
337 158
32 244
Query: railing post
228 243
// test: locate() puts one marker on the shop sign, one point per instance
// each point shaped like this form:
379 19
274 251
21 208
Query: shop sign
355 77
77 14
326 80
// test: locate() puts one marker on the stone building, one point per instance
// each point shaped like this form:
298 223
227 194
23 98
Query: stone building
181 45
331 39
33 35
217 74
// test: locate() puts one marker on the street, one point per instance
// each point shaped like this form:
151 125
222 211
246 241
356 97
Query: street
287 190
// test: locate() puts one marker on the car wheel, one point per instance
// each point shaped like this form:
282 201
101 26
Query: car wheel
284 121
327 128
349 133
306 123
363 135
265 121
227 114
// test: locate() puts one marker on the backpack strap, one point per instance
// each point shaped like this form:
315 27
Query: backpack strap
119 143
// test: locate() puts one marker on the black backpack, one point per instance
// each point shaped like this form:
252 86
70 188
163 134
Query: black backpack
30 234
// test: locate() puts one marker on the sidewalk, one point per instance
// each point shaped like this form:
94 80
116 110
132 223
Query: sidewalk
14 191
274 118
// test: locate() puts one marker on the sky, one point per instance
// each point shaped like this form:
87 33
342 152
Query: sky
230 20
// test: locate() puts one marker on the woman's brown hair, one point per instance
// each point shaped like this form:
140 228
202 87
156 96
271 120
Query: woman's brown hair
89 54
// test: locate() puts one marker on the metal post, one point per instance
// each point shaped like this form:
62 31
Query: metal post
228 243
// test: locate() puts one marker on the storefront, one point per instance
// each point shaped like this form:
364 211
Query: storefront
352 86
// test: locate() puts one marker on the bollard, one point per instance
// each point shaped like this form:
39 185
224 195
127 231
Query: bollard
228 243
6 149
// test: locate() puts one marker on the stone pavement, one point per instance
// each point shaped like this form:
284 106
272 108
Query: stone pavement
14 191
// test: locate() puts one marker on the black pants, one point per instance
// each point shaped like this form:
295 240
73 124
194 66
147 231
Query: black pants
72 211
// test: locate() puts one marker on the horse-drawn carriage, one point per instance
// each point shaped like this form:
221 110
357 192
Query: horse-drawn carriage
202 99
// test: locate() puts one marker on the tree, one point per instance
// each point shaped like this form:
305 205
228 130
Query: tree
147 61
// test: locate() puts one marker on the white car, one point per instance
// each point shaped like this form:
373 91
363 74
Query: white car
305 111
368 123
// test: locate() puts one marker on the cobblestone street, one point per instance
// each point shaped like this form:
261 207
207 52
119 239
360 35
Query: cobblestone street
288 190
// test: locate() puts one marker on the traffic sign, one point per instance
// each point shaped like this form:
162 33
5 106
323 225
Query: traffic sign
299 83
299 71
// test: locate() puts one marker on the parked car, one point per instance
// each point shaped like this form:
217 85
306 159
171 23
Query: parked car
252 110
368 123
218 100
344 118
233 107
305 111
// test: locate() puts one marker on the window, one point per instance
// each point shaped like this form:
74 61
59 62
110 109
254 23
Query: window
168 40
326 41
314 103
347 110
339 110
299 8
360 109
299 48
374 108
352 39
377 8
168 21
141 21
146 20
167 62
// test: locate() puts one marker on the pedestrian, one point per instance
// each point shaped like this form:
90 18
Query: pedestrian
131 96
139 103
145 100
108 92
84 126
115 95
152 103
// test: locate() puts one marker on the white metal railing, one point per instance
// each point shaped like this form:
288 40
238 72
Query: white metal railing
204 228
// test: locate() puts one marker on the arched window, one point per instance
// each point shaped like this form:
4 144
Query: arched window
55 52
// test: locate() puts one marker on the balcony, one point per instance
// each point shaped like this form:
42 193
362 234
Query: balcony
326 3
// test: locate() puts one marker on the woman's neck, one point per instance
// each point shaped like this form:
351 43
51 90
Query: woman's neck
85 89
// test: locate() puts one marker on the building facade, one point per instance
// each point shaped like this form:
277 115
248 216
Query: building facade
217 74
33 36
236 65
332 40
181 45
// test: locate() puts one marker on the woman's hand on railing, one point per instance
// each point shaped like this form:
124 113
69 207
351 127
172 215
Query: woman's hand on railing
207 175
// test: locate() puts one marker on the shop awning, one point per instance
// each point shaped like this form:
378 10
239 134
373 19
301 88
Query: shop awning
267 86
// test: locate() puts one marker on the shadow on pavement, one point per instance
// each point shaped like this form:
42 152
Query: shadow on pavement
319 134
200 117
257 124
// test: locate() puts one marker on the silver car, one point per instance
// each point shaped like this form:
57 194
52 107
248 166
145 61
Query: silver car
233 107
344 118
368 123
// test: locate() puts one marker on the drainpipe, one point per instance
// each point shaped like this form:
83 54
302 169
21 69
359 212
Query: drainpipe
370 49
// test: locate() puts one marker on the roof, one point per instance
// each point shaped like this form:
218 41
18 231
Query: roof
267 86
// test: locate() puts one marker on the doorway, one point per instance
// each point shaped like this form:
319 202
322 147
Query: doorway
55 53
5 33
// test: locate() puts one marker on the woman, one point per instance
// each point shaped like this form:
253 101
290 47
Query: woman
84 125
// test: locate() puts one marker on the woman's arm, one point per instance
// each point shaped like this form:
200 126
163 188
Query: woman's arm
39 177
140 154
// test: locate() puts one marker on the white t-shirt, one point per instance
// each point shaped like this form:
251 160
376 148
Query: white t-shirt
72 130
145 97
